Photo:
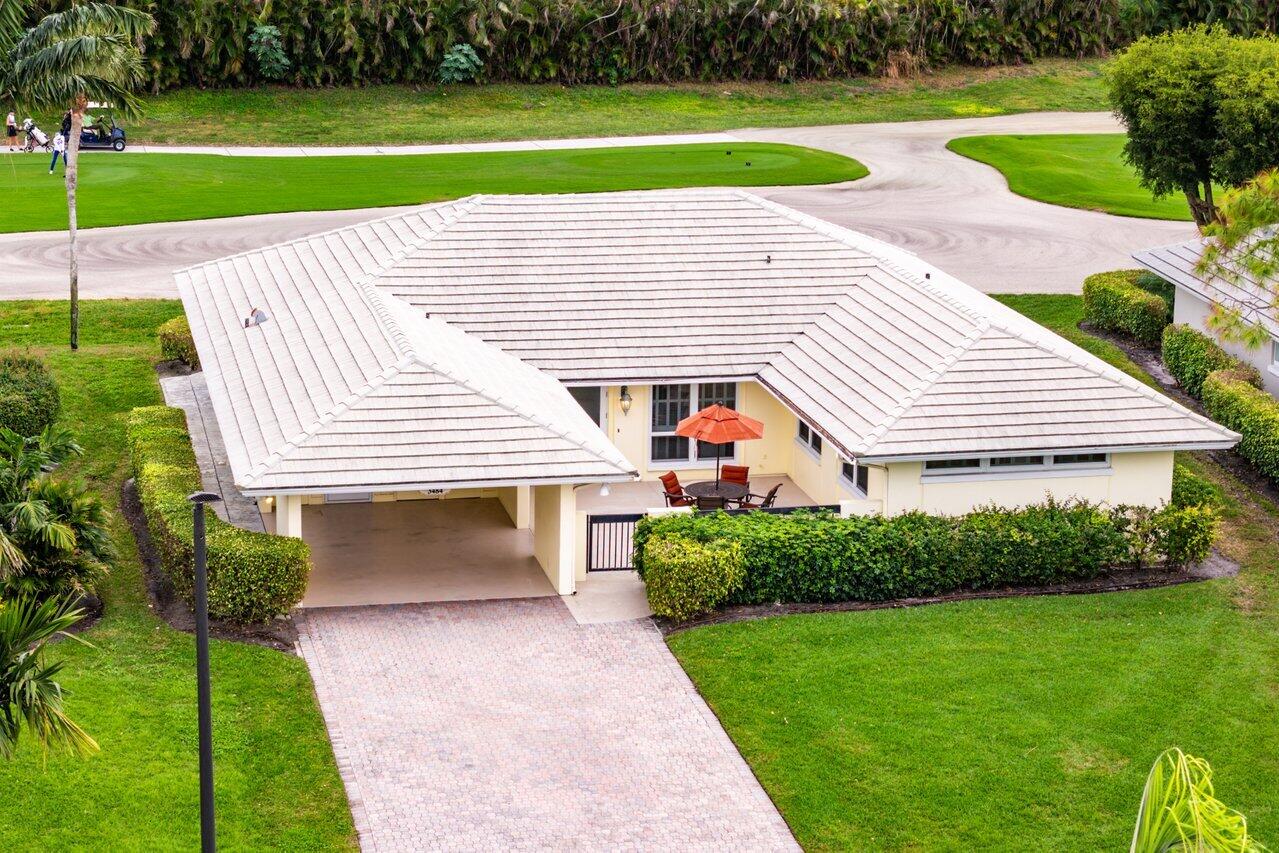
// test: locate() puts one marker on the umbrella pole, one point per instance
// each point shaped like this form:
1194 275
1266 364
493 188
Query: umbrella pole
719 448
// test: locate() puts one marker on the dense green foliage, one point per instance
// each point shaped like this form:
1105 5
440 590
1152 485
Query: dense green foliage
268 52
1189 489
252 576
54 538
580 41
171 187
1113 302
1201 107
1180 811
460 65
29 400
176 343
1190 356
1243 248
1161 287
802 557
684 578
1234 403
1083 170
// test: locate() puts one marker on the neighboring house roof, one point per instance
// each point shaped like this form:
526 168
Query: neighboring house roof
1176 263
884 355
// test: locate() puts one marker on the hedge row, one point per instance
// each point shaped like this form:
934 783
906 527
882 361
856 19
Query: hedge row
205 42
252 576
1113 301
1231 400
29 399
803 557
1191 355
176 343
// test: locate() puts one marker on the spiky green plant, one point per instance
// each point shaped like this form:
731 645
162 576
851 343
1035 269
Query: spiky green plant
1179 811
88 52
30 695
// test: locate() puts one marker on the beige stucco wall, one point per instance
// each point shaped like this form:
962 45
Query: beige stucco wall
1193 310
554 534
1133 478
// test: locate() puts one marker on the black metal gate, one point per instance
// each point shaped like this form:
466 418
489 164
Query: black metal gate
609 542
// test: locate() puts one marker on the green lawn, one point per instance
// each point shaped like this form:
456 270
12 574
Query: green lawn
127 189
134 690
1073 170
405 114
1023 724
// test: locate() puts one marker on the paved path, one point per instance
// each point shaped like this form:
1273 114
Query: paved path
506 725
956 213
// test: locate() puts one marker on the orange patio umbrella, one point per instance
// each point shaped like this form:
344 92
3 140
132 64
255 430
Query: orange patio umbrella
719 425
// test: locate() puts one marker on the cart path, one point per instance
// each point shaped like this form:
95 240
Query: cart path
956 213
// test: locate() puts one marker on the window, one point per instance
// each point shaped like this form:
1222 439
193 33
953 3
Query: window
952 465
857 476
591 398
1081 459
1274 354
670 405
1016 461
808 437
995 465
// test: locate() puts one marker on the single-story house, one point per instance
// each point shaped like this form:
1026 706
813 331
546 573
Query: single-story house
1196 294
529 350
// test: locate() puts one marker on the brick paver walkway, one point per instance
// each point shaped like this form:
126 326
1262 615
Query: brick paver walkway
506 725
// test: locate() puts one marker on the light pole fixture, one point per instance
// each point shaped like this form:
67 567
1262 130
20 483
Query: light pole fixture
625 400
208 829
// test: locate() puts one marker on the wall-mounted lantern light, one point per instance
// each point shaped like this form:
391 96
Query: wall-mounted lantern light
625 400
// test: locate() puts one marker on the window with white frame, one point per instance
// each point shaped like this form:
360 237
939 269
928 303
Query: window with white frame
809 439
591 398
855 475
996 465
670 404
1274 355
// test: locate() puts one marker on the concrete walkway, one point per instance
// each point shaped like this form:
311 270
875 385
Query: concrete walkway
506 725
956 213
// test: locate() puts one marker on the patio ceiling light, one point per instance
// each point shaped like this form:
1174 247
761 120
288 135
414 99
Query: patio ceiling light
625 400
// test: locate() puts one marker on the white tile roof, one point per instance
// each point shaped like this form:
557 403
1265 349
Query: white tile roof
1176 263
884 355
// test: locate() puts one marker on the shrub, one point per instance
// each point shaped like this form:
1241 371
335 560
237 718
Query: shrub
1191 355
266 49
804 557
687 578
29 399
1112 301
459 65
176 343
1189 489
252 576
1161 287
1235 404
1186 533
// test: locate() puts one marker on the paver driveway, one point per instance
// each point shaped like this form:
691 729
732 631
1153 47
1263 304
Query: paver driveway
507 725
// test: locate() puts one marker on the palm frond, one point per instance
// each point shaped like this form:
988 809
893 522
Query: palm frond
13 15
1179 811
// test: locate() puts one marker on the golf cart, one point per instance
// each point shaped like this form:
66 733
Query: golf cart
104 133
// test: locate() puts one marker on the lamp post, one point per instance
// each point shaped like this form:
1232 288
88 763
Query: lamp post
208 829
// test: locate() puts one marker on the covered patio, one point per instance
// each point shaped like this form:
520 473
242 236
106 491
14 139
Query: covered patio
641 495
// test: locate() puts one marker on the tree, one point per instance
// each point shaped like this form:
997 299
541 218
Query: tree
87 52
29 692
54 539
1242 247
1201 107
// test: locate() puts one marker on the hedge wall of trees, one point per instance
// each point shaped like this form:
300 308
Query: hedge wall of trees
205 42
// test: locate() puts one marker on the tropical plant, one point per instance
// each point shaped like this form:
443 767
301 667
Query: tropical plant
460 65
54 538
1201 107
268 51
1180 812
29 691
88 52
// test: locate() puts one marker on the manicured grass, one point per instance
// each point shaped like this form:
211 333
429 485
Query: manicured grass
1023 724
1072 170
127 189
404 114
134 689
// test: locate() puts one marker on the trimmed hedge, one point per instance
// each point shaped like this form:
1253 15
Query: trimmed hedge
29 399
252 576
1159 286
176 343
1114 302
1189 489
804 557
1236 404
1191 355
685 578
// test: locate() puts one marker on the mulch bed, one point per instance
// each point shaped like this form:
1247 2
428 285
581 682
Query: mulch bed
280 634
1119 581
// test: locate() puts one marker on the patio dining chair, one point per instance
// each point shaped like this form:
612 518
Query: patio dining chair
761 501
739 474
673 491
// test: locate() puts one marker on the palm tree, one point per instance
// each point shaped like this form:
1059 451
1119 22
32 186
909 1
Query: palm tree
29 692
87 52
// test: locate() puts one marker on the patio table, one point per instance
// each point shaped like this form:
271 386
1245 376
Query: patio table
723 489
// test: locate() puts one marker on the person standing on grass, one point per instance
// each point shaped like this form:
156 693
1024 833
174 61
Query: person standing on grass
11 130
59 147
